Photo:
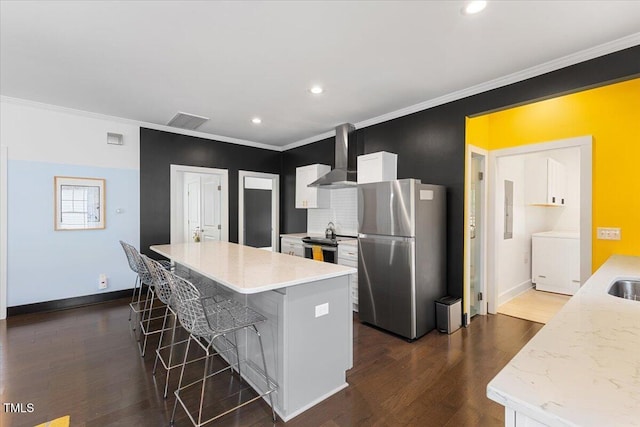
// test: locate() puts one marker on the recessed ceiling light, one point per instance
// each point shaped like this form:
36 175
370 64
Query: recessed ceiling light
474 7
316 90
256 120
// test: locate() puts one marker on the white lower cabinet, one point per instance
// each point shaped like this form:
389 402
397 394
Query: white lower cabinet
555 265
292 246
348 256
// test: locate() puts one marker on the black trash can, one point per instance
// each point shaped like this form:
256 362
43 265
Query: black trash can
448 314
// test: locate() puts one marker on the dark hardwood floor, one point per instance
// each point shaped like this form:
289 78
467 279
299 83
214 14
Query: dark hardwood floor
84 362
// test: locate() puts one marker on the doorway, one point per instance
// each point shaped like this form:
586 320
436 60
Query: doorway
506 281
259 210
199 204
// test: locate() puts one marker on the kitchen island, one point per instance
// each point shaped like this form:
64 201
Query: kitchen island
308 334
583 367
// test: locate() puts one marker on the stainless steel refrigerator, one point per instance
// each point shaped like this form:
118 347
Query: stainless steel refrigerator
401 255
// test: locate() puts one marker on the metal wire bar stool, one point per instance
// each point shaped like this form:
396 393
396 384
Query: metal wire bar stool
206 321
146 313
163 284
135 306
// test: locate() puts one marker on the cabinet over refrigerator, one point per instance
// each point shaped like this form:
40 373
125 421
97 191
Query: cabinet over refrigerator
401 255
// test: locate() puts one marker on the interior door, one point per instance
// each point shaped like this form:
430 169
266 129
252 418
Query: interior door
211 197
257 212
476 232
193 209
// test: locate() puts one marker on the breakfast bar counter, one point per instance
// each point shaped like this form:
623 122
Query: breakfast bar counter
308 334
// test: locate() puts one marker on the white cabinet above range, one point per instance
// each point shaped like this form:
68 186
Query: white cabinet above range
311 197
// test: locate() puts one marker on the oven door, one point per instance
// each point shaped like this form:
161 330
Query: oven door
329 253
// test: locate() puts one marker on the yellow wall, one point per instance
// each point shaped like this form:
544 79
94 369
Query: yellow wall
611 114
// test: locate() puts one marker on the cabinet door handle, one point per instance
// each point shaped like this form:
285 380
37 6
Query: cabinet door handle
576 281
553 200
544 277
563 201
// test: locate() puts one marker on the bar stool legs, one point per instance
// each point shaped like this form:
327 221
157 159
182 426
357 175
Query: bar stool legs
199 422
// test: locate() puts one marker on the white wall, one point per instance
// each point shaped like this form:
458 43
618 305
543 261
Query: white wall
514 271
44 264
513 274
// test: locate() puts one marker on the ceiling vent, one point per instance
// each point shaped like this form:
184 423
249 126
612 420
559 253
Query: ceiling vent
187 121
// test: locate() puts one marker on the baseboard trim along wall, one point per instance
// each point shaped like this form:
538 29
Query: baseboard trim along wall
513 292
63 304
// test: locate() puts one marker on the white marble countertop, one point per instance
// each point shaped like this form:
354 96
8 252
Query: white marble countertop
249 270
583 367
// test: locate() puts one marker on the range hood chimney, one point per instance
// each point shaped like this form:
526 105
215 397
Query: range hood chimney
344 174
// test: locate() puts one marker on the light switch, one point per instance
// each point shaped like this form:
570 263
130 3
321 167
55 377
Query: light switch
322 309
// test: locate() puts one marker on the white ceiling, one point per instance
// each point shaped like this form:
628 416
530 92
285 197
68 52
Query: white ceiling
231 61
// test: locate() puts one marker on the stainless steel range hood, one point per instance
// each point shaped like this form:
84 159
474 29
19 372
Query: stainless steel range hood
344 175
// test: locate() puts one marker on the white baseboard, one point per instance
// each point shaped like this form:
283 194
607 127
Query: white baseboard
513 292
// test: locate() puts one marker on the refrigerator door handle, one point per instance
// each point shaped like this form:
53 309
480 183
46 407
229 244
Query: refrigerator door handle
385 237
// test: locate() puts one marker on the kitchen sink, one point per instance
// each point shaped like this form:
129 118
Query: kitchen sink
626 288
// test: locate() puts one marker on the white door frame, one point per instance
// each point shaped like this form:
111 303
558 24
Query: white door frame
275 206
469 152
177 200
585 144
3 232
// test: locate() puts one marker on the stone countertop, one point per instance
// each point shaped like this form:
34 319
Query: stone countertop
249 270
583 367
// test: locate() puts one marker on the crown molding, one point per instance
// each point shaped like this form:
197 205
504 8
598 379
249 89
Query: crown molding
553 65
98 116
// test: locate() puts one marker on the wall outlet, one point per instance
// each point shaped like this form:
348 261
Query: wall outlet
609 233
102 281
322 309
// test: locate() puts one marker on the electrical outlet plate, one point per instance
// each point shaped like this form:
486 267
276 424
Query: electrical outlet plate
609 233
322 309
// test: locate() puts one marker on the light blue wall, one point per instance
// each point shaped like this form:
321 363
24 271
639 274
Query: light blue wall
46 265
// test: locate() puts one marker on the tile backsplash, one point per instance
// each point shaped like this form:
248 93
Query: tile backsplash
343 212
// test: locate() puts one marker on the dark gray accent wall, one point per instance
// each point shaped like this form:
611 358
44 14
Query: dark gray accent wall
158 150
430 144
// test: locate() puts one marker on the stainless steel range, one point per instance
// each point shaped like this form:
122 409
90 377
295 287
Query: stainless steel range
328 247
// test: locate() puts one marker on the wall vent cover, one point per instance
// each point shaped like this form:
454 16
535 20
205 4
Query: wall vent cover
187 121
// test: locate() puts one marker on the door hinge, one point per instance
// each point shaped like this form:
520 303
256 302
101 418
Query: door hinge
480 176
479 296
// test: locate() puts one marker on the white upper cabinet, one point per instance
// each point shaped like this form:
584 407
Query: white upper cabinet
376 167
311 197
546 182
